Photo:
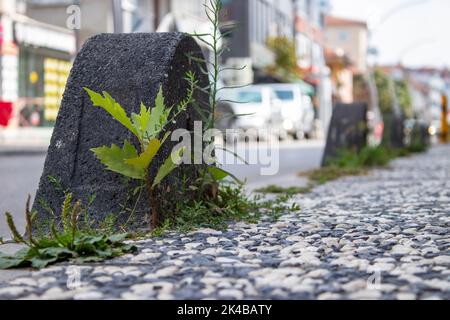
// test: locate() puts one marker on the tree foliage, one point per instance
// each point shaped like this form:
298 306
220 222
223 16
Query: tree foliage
404 97
285 64
384 92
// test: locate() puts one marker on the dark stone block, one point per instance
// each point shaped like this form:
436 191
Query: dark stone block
348 129
394 130
131 68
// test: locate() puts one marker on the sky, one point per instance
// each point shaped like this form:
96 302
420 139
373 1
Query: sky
413 32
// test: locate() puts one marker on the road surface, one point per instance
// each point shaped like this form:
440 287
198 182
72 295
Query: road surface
20 174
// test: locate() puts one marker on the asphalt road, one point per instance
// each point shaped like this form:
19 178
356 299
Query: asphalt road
274 164
20 174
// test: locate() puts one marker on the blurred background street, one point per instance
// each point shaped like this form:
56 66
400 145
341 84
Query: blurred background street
302 58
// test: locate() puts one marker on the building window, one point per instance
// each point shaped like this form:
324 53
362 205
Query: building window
343 36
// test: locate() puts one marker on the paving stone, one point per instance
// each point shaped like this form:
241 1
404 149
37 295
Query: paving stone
349 242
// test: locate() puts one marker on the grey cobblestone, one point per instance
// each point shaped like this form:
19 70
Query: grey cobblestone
382 236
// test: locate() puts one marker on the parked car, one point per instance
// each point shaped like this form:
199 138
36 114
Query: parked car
254 107
296 108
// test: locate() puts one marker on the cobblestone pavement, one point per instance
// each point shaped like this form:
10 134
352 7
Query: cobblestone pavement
383 236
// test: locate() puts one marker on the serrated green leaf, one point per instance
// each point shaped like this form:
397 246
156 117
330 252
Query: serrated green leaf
113 108
169 165
144 160
114 159
159 102
140 121
165 138
158 117
219 174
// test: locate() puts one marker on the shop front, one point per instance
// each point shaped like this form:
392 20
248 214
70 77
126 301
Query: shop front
41 68
42 78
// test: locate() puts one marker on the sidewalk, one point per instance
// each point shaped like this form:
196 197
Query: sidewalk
24 140
383 236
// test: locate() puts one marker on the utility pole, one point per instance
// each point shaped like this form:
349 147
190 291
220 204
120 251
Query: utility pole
156 11
444 123
117 15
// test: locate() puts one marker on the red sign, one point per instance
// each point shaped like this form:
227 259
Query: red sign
6 111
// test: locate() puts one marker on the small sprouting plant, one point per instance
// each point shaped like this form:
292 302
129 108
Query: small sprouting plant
148 126
212 176
66 242
349 162
274 189
231 204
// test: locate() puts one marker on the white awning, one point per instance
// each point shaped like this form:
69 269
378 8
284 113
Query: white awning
30 32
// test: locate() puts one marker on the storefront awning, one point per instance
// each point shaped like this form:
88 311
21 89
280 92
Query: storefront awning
31 32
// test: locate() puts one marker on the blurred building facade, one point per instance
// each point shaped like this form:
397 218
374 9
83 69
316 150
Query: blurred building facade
341 75
301 21
351 37
35 63
329 50
425 86
310 47
100 16
255 21
39 42
346 42
309 33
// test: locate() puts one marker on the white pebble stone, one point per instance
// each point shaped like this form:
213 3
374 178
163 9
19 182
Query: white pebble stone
89 295
366 295
230 293
445 260
166 272
405 296
14 291
212 240
24 282
193 245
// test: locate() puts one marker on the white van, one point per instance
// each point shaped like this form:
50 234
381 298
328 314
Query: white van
297 110
255 107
